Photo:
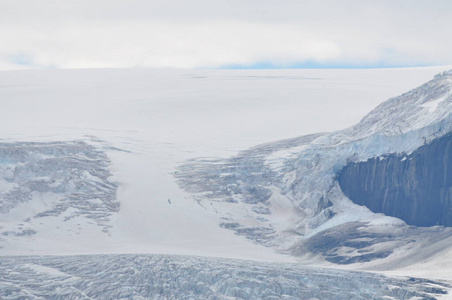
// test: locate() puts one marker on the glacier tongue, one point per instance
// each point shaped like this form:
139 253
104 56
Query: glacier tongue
184 277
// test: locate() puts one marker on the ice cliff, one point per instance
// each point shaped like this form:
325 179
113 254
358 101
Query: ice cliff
416 187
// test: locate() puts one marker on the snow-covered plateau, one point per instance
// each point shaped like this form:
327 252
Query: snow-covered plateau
98 166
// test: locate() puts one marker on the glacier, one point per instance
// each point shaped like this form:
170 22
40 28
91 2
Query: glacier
56 179
97 181
302 174
186 277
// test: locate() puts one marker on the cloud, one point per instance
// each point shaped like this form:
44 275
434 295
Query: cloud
215 34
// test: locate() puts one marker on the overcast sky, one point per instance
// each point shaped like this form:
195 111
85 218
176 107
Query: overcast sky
224 33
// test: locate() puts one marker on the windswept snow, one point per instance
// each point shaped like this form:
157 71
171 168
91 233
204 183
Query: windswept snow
431 106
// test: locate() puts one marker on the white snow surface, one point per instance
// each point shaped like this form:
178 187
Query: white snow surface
160 118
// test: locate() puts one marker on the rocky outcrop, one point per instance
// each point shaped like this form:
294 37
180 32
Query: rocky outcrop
416 188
